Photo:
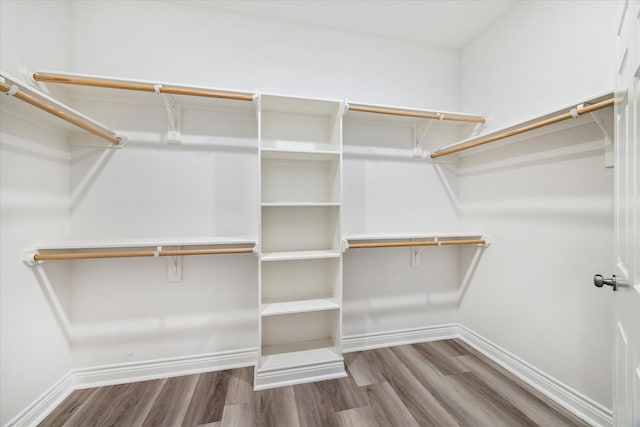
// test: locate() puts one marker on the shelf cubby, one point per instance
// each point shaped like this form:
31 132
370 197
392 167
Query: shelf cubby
290 123
300 228
285 281
295 332
295 178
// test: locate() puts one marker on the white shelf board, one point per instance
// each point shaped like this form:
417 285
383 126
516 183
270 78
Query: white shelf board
298 150
296 105
299 204
305 353
142 243
126 96
299 154
410 235
299 306
361 116
19 108
567 124
299 255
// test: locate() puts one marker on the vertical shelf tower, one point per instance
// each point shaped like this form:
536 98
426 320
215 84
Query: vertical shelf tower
300 278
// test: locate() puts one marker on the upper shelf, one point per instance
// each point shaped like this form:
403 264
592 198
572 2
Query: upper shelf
418 238
556 120
30 103
142 92
408 116
139 248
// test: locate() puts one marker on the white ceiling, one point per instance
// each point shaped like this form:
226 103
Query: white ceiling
439 23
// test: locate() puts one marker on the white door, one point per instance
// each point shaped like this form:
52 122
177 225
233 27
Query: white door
626 382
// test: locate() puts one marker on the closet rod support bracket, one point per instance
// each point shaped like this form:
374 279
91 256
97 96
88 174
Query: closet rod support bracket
416 259
344 245
419 133
174 116
257 103
174 265
29 258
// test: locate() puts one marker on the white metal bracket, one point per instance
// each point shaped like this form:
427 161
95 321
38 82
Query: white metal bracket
28 257
419 133
480 127
256 250
257 103
344 245
600 119
416 259
174 265
174 116
344 108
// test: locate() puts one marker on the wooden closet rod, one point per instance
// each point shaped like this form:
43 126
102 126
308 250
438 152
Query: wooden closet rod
406 113
423 243
523 129
4 87
144 87
175 252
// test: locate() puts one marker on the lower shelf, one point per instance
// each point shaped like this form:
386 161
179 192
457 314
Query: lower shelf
304 362
298 354
295 255
299 306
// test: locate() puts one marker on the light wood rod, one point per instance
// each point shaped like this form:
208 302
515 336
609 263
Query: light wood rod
434 116
132 254
60 114
422 243
143 87
523 129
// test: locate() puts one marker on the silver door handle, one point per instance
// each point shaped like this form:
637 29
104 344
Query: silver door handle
599 281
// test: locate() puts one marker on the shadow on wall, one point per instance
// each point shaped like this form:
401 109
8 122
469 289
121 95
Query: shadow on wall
111 308
382 292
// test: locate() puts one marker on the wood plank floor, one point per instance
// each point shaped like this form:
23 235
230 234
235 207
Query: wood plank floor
442 383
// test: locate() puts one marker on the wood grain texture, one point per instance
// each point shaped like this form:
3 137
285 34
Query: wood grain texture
444 383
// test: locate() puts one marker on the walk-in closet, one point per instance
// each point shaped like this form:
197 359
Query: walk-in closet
313 213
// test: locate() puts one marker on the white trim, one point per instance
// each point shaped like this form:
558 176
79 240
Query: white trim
43 405
162 368
401 337
572 400
130 372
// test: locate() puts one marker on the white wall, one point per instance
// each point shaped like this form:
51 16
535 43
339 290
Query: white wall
547 202
149 189
203 46
34 207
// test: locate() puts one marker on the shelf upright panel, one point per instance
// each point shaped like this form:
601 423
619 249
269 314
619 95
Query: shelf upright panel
300 277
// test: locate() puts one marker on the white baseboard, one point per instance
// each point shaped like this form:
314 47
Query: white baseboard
162 368
583 407
44 404
575 402
130 372
401 337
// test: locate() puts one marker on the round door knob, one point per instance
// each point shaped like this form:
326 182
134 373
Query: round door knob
598 280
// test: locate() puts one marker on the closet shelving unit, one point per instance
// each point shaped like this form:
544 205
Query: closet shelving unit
590 110
300 279
32 104
300 240
114 92
173 98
